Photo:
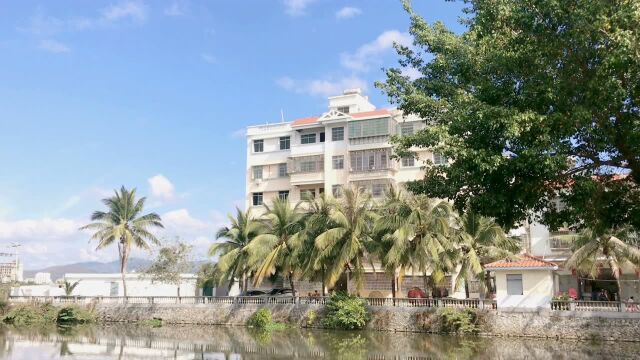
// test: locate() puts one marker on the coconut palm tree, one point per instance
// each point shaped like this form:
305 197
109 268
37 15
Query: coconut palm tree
123 224
414 235
479 240
317 220
347 242
276 248
233 262
610 247
69 287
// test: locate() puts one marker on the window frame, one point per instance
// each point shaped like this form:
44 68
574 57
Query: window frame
439 159
258 143
257 198
308 136
516 281
343 109
408 161
336 191
286 170
337 133
337 160
286 140
285 193
257 169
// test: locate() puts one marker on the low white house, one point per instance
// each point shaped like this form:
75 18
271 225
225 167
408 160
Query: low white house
37 290
527 282
137 285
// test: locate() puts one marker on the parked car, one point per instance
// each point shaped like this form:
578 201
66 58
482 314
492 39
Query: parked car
280 292
254 293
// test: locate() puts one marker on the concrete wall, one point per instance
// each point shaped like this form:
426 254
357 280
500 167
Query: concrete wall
137 285
544 324
537 289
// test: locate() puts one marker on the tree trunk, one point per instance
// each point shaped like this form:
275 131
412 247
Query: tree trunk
619 289
178 290
466 289
123 264
293 289
393 286
323 284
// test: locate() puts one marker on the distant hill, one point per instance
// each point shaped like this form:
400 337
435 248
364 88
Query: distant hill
134 265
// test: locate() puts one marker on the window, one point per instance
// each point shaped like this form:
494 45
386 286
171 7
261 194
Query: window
322 136
368 160
282 170
256 199
338 162
440 159
307 194
337 134
377 189
307 166
343 109
283 195
514 284
258 146
406 128
368 128
307 138
408 161
257 172
336 191
285 142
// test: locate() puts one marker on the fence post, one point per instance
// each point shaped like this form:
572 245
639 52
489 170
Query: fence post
622 307
572 306
481 304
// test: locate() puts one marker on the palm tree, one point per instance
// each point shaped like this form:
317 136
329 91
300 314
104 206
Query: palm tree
413 233
277 247
317 220
347 242
123 224
233 262
479 240
69 287
611 247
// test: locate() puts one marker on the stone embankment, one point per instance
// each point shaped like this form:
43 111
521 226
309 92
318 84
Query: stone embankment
542 324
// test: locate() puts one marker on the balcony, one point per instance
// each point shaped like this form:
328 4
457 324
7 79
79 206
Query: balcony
307 178
307 149
305 170
372 174
561 240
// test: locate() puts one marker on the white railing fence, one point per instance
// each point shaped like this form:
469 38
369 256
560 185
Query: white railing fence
593 306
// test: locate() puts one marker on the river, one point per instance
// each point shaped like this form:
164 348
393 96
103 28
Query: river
239 343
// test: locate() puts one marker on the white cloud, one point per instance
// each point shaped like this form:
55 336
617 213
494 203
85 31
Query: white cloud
161 187
208 58
368 54
54 46
297 7
181 220
348 12
125 10
177 8
43 229
321 87
412 73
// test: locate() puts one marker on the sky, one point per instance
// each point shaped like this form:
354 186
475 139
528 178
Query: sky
155 95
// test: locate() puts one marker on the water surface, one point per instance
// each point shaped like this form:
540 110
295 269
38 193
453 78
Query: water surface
238 343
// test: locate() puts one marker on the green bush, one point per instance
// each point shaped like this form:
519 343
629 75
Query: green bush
462 322
263 320
75 315
346 312
155 322
26 315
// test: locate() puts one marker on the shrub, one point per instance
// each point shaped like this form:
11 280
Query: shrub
311 317
346 312
25 315
155 322
263 320
75 315
462 322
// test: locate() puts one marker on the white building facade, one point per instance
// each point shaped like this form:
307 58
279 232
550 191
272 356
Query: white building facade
137 285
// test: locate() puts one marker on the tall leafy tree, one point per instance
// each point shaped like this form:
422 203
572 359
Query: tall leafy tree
233 262
414 235
276 248
170 263
124 224
347 243
535 100
616 249
479 240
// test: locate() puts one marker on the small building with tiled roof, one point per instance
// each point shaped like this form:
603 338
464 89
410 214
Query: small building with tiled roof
524 281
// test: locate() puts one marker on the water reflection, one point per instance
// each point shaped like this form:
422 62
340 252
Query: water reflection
238 343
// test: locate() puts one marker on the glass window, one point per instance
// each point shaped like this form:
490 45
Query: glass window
258 146
322 136
336 190
408 161
307 138
337 134
343 109
282 170
307 166
368 160
283 195
366 128
257 172
285 143
406 128
514 284
256 198
440 159
338 162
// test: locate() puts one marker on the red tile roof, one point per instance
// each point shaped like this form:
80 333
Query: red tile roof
305 121
370 113
523 261
314 119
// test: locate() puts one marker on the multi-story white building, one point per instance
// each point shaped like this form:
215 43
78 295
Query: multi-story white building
346 146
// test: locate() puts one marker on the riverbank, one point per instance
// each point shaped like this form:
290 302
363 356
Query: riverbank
539 324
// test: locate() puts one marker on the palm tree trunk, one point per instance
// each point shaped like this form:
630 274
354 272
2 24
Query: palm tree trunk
323 283
466 288
293 289
123 265
393 287
178 289
619 288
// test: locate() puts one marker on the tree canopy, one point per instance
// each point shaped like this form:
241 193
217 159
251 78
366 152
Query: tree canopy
536 100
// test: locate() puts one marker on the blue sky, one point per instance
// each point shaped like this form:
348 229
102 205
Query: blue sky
155 95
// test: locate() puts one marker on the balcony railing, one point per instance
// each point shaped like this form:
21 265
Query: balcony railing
593 306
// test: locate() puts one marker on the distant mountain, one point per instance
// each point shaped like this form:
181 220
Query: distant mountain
134 265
